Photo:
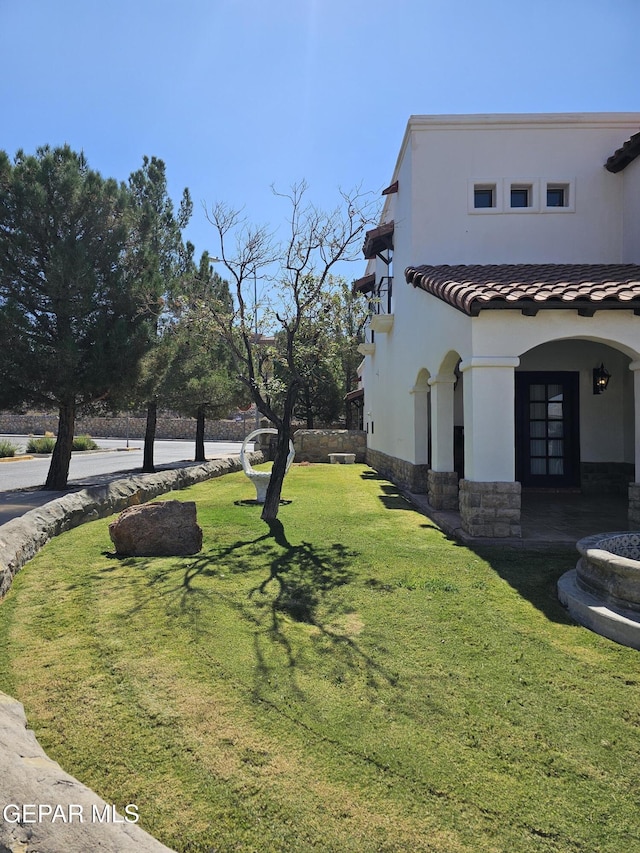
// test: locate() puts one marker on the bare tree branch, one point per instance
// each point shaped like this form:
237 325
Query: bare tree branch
295 272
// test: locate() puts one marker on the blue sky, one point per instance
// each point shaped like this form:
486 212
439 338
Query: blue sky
237 95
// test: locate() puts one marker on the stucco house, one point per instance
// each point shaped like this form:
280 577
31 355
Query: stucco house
503 348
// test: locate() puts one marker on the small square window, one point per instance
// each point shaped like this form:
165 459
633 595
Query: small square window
520 197
483 197
556 196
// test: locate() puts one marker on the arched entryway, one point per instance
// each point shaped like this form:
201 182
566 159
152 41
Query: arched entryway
571 434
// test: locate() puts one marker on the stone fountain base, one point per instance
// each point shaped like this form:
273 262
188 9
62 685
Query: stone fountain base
603 591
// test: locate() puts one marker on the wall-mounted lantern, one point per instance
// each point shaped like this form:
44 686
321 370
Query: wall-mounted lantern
601 377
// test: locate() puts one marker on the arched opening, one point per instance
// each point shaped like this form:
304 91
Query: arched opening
421 417
447 422
567 436
575 448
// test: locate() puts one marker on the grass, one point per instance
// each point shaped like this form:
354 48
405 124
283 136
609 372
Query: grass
345 680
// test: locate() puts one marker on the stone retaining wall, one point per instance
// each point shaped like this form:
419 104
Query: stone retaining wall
21 538
121 427
490 509
315 445
399 471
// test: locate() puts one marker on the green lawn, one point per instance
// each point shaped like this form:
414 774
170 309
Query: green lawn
346 680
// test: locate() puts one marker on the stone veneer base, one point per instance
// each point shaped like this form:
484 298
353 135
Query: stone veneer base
399 471
442 489
490 509
605 478
634 506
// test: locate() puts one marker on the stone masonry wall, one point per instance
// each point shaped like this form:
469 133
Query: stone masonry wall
315 445
120 427
403 473
490 509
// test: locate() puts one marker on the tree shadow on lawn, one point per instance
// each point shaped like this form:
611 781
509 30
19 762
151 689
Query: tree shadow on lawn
392 498
300 579
532 574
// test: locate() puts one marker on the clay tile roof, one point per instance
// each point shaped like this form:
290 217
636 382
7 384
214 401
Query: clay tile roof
625 155
378 239
475 287
365 284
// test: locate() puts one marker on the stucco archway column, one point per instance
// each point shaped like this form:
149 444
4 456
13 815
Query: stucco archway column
634 488
442 481
489 495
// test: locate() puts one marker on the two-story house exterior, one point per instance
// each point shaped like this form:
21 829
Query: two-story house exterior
503 349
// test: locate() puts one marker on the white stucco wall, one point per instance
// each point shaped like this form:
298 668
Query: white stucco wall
631 241
449 155
553 340
439 159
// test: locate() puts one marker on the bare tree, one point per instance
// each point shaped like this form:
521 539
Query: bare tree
294 273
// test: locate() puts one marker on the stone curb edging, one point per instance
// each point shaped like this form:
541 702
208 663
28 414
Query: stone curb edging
31 780
28 775
21 538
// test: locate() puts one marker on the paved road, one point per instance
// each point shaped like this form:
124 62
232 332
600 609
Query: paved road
20 480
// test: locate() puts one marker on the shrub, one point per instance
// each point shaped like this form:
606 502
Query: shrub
83 442
7 449
41 445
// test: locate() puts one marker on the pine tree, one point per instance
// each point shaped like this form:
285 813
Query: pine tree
72 320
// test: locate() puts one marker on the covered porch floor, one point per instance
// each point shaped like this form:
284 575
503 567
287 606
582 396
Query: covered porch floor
548 519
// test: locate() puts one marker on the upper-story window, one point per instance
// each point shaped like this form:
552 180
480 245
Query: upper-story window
484 195
557 195
521 195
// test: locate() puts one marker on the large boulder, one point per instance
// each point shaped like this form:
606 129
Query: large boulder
163 529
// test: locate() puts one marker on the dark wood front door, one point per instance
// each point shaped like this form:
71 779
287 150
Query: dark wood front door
547 429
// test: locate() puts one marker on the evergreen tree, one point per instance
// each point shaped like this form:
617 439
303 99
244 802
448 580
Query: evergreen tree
201 380
73 322
159 259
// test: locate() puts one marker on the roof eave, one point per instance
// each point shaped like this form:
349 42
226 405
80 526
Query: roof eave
530 307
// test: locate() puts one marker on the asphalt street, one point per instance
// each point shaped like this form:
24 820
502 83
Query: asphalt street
21 480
